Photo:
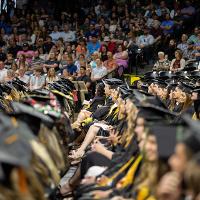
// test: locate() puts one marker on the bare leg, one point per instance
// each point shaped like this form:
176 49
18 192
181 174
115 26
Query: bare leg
81 117
92 132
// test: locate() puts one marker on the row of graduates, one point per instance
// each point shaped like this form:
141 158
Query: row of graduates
33 142
136 146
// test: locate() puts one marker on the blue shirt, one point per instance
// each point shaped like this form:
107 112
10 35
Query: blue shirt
71 68
168 24
93 47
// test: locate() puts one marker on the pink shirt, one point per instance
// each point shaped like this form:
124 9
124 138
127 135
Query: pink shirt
29 55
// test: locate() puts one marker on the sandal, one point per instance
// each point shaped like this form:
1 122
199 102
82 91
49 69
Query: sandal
65 190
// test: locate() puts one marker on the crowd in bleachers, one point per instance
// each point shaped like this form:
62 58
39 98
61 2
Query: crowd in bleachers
138 141
89 43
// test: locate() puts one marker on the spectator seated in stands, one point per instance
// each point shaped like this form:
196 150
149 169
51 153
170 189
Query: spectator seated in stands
22 63
178 63
194 37
22 76
37 81
67 75
99 71
51 62
48 45
71 67
94 57
10 75
51 76
167 26
121 58
170 49
81 61
93 45
3 72
2 54
56 34
9 60
162 64
110 63
37 60
145 42
29 54
67 34
183 46
83 77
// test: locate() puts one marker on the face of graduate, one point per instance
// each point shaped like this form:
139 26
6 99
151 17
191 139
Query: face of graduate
128 106
139 128
151 150
183 97
122 107
114 94
194 96
153 89
177 93
142 141
164 93
107 90
178 160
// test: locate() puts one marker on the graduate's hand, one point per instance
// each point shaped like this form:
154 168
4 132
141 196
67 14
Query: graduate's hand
102 179
98 194
98 147
113 137
169 186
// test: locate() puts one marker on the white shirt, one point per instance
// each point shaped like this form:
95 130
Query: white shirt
55 36
99 72
68 36
24 78
3 74
145 40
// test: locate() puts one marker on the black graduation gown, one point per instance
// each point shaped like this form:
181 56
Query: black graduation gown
102 111
95 103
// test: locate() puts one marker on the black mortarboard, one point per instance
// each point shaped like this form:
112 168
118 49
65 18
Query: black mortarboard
191 66
113 82
196 158
150 75
23 109
166 139
159 82
14 146
196 89
195 74
152 112
124 91
185 87
191 137
167 75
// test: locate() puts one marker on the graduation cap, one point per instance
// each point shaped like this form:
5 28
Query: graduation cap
14 145
191 137
166 139
124 91
195 74
113 82
191 66
167 75
151 112
185 87
159 82
23 109
151 75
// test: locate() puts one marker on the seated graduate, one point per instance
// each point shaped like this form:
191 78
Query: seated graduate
91 106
